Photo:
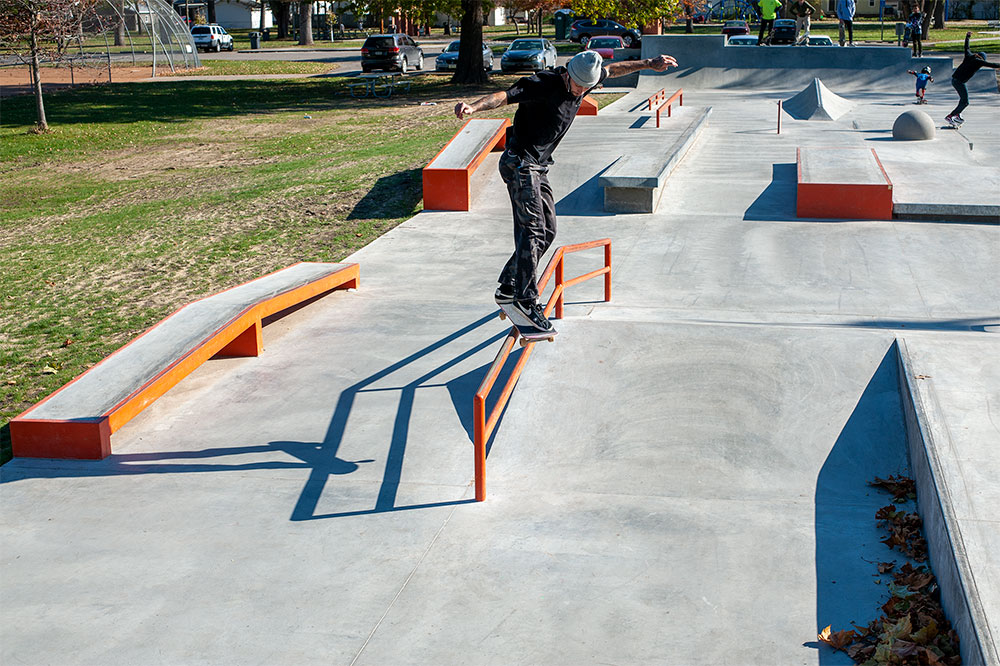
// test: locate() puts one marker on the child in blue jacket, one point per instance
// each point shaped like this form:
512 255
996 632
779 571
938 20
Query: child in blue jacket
922 78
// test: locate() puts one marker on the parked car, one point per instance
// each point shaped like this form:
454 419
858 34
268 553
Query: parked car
448 60
605 46
211 38
742 40
582 30
534 54
735 28
821 40
391 52
784 32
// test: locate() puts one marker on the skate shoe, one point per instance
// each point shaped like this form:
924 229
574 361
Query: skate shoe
504 294
958 120
532 312
950 120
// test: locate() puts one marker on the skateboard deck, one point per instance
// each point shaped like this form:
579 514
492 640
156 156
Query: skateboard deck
527 332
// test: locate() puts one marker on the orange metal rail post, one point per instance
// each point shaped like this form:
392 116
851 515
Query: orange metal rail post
483 423
678 97
656 98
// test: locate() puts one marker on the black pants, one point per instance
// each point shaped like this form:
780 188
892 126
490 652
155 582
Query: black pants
963 96
534 223
845 23
766 26
918 47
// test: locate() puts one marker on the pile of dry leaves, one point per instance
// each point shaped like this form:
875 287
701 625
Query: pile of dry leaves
912 628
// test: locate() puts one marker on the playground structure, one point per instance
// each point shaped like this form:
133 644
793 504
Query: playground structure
116 33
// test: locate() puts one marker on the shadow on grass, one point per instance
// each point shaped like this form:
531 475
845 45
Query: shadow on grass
180 101
391 197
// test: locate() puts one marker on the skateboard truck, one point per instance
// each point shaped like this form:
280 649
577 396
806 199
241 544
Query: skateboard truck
520 336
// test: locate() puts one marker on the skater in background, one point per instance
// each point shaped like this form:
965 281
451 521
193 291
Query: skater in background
802 11
972 63
922 78
915 24
845 15
547 102
768 12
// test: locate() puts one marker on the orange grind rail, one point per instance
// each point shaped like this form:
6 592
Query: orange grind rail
484 423
668 103
90 438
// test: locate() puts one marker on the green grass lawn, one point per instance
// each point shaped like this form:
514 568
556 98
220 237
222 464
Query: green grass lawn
144 197
253 67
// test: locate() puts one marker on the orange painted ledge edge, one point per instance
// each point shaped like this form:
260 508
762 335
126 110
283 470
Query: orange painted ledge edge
27 434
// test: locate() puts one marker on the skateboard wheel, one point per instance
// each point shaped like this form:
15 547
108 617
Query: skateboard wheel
503 315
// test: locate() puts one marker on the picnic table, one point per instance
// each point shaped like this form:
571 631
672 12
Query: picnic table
378 84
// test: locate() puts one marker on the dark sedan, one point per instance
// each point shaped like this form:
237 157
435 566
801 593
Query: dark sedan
584 29
732 28
391 52
448 60
784 32
534 54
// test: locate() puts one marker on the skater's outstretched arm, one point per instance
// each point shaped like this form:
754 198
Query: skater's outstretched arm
968 52
486 103
658 64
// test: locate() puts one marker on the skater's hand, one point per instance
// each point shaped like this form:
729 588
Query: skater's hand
462 109
661 62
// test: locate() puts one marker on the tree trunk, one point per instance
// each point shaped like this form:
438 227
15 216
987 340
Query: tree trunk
280 12
263 7
470 50
120 23
938 15
42 125
211 11
306 22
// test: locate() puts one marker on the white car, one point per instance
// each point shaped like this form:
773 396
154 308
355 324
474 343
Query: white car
211 38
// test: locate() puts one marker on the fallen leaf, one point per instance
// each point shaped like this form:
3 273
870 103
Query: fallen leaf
48 370
838 640
884 567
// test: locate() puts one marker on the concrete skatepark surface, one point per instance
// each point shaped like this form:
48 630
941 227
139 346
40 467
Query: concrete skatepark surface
680 478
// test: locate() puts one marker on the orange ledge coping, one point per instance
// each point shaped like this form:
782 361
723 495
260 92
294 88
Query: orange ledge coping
89 437
451 188
843 201
588 107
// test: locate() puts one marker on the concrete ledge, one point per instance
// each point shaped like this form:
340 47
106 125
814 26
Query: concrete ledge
842 183
78 419
634 183
925 433
947 212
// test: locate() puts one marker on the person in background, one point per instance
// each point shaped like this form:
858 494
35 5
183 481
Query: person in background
972 63
916 24
768 12
922 78
801 11
845 15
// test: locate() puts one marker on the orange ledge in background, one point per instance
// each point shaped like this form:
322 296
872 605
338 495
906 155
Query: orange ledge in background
447 179
588 107
842 183
77 420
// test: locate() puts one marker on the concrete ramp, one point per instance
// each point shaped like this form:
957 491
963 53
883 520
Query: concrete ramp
817 102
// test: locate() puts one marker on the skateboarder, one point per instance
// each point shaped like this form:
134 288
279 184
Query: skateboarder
915 25
972 63
801 11
547 104
922 78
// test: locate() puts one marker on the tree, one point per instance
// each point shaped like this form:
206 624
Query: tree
689 8
306 22
470 67
633 13
36 30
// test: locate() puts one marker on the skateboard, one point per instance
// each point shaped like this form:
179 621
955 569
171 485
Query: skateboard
527 333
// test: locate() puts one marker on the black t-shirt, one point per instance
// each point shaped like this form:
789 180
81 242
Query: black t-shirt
545 110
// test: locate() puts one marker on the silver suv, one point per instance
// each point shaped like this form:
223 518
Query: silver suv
211 38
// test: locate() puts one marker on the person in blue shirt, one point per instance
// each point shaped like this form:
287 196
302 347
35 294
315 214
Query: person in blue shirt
922 78
845 15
